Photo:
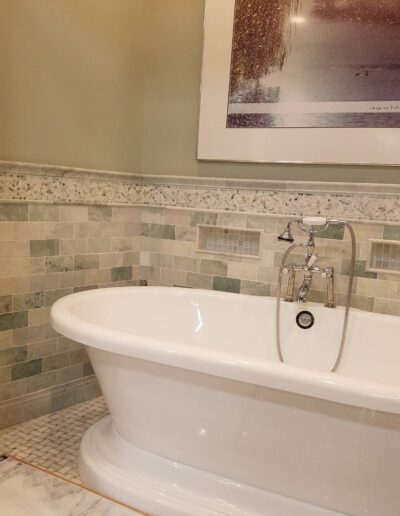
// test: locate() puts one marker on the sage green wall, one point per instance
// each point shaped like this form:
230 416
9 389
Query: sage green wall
114 84
71 86
174 31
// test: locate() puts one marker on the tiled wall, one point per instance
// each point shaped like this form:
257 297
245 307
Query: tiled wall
127 233
169 257
46 252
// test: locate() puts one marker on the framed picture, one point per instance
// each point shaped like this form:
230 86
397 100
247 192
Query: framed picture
301 81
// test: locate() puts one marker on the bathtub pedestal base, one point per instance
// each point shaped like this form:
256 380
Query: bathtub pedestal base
157 485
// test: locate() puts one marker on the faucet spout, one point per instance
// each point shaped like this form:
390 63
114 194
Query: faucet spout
304 287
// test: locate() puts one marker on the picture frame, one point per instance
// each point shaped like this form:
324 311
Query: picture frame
218 141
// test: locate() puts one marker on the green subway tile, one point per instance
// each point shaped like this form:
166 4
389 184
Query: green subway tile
85 287
67 374
255 288
41 381
45 212
121 273
202 217
26 369
13 320
13 355
213 267
226 284
17 212
43 247
359 269
86 261
391 233
79 356
5 374
27 301
100 213
333 231
53 362
51 296
166 231
145 229
5 304
87 369
59 263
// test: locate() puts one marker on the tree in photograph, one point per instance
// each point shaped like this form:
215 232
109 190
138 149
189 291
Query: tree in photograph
261 39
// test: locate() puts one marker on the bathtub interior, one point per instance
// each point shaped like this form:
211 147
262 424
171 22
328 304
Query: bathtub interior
244 327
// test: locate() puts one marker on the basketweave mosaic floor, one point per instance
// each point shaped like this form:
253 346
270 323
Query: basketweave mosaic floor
52 441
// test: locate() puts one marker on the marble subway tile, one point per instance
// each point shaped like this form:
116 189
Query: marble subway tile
42 349
172 277
53 362
100 213
126 214
243 270
59 263
201 281
5 304
26 369
18 387
49 281
121 273
10 321
186 233
74 213
226 284
23 336
6 231
58 230
152 215
267 224
186 263
43 212
5 374
236 220
177 217
98 245
28 300
28 230
255 288
387 306
44 247
200 217
391 233
71 246
13 212
38 316
111 260
214 267
13 355
86 261
51 296
28 266
72 279
372 287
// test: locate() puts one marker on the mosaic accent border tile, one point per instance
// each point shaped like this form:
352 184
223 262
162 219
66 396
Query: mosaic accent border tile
26 182
361 202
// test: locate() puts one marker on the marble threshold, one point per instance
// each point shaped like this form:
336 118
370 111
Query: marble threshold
29 491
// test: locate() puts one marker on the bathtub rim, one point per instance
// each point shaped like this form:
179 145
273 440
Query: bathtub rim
329 386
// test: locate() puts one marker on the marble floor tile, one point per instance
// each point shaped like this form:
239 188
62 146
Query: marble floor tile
52 441
26 491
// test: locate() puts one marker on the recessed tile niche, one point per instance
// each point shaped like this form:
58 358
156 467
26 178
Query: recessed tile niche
226 240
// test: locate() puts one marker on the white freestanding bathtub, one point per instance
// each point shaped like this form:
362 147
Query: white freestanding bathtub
205 420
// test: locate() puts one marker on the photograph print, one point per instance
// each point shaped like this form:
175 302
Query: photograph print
315 64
